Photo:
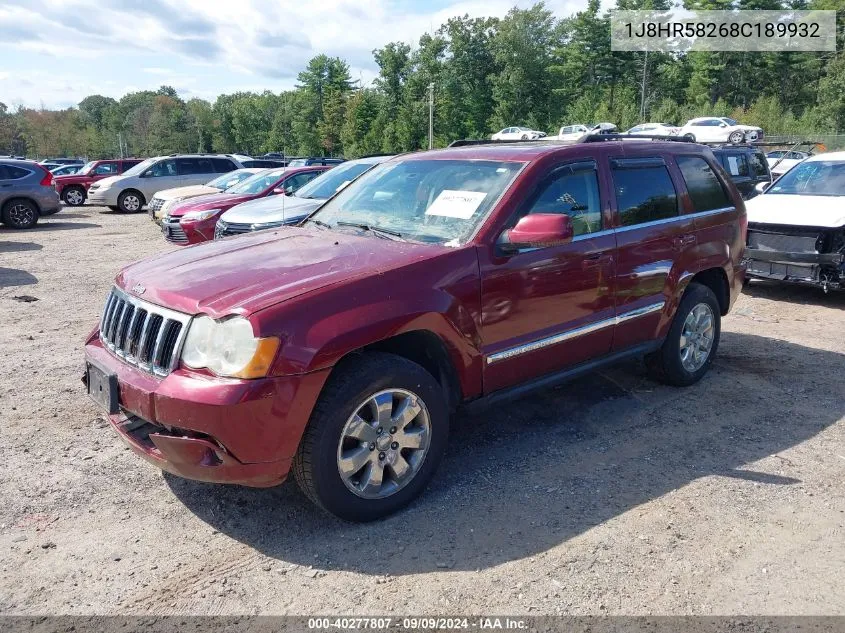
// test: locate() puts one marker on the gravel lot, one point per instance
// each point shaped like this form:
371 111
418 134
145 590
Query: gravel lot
612 494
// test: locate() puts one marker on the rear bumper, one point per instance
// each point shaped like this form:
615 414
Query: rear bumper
211 429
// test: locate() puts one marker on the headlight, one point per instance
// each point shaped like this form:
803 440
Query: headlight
228 348
196 216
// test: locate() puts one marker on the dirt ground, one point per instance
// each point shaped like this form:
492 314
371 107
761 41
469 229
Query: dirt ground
611 495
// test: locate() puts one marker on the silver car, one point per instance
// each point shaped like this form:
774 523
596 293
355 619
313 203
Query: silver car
273 211
131 191
26 193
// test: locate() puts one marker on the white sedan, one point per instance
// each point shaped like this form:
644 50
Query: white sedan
571 132
719 130
517 134
655 129
781 161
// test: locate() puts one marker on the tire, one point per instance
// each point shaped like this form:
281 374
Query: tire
20 214
736 137
690 138
130 201
524 137
74 196
351 390
667 364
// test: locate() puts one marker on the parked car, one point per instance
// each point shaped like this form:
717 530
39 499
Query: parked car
796 228
130 192
656 129
747 167
570 132
338 349
26 193
164 200
781 161
73 189
517 134
62 161
193 221
65 170
264 163
719 130
315 160
272 212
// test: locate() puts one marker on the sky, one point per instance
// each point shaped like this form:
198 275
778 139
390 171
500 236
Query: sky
53 53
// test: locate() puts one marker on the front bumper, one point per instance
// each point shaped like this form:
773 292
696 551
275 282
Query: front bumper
211 429
818 269
102 198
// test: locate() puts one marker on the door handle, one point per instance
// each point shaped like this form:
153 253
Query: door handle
596 259
684 240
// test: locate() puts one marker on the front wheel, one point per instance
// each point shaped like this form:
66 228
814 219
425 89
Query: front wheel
736 137
73 196
693 339
375 438
130 201
690 138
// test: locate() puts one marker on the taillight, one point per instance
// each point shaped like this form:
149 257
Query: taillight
47 180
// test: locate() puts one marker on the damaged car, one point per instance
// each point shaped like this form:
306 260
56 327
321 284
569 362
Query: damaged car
796 228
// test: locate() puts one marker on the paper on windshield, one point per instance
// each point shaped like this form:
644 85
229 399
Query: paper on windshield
452 203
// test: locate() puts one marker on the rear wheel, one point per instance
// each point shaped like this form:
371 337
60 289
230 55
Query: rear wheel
73 196
130 201
20 214
689 137
375 438
693 339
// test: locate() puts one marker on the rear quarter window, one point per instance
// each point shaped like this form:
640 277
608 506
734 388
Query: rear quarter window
223 165
758 164
13 172
644 191
703 186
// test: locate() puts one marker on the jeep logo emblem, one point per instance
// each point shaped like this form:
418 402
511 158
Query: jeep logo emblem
138 289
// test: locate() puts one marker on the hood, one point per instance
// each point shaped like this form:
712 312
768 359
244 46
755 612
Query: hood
271 209
70 177
107 182
185 192
211 201
260 269
797 210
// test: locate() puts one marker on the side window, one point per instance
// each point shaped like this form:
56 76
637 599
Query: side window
11 172
758 164
644 190
223 165
574 190
105 168
4 174
205 166
162 168
736 165
295 182
188 166
703 185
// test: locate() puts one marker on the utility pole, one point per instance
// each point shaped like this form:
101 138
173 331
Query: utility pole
431 115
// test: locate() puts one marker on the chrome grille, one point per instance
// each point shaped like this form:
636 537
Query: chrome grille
781 242
142 334
156 204
224 229
173 231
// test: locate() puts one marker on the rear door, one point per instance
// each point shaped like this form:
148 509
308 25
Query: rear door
194 171
652 234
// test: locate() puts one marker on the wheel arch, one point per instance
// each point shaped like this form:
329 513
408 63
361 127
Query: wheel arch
714 278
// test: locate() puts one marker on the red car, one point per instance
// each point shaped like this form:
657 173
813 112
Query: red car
73 189
339 349
193 221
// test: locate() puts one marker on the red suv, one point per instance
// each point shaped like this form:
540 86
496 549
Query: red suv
339 349
193 221
73 189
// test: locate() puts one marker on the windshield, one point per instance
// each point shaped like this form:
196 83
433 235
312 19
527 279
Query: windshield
816 178
259 182
87 167
327 184
139 168
730 121
298 162
228 180
436 201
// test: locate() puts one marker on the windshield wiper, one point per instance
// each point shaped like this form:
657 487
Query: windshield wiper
369 227
320 223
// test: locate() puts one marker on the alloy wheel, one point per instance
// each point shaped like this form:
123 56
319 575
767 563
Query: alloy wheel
384 443
131 202
21 214
697 335
74 197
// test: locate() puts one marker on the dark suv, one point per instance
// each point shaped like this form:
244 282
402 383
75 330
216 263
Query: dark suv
338 350
747 167
26 193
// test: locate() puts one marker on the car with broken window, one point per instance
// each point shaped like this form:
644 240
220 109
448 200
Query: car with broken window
796 228
339 350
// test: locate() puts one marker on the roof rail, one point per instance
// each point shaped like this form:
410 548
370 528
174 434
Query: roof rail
598 138
486 141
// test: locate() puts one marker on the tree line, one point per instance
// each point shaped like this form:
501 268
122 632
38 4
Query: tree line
529 68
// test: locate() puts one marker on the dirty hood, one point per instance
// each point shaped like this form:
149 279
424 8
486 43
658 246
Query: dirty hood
185 192
257 270
797 210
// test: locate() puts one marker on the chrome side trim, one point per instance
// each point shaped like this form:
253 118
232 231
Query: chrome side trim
674 218
574 333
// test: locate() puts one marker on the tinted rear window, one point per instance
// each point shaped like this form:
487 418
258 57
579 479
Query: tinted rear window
703 185
13 172
223 165
758 164
735 164
644 191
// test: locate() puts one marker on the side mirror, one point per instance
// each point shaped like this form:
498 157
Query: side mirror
723 125
280 190
538 230
761 187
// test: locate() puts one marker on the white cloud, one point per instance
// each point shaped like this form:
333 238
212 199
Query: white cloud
229 44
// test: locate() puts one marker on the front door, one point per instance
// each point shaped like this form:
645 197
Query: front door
549 308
